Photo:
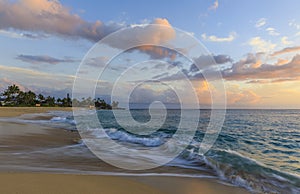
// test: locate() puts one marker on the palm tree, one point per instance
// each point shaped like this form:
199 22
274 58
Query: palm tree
21 98
41 98
50 101
101 104
59 101
11 93
69 101
30 98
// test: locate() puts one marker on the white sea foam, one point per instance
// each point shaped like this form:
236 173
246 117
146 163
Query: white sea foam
127 137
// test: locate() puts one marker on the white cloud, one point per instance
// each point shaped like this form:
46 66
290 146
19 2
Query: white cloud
285 41
214 6
213 38
31 73
294 24
260 45
261 22
35 80
272 32
10 34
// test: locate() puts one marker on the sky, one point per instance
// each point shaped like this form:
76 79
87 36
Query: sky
255 47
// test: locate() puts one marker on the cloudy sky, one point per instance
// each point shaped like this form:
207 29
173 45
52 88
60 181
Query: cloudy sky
255 45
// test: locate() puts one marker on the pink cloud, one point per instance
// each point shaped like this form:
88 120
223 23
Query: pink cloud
243 70
50 17
286 50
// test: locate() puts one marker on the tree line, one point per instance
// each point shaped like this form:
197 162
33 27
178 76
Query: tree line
13 96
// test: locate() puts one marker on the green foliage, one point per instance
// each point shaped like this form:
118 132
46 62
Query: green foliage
11 94
15 97
25 99
101 104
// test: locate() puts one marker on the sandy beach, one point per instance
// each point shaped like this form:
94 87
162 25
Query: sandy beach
17 111
24 136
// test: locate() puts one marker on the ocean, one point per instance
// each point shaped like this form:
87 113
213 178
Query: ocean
256 149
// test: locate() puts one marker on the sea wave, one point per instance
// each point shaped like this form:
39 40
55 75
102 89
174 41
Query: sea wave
249 173
258 171
56 119
124 136
67 119
229 165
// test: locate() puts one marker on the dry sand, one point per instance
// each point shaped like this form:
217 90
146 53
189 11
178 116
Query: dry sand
30 182
17 111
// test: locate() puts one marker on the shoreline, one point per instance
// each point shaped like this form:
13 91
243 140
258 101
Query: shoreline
16 181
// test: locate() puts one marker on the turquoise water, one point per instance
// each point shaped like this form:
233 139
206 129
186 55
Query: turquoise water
256 149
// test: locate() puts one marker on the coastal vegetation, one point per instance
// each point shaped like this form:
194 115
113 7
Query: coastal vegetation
13 96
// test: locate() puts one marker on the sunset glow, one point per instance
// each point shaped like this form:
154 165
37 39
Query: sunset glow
257 51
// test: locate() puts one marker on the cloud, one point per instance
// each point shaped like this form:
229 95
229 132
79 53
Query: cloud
208 60
271 81
286 50
148 95
235 95
17 71
213 38
258 81
4 82
12 34
188 69
37 81
34 36
281 61
215 6
45 17
252 68
159 33
241 70
51 17
261 22
272 32
221 59
285 41
294 24
203 90
39 59
96 61
241 97
261 45
157 52
147 39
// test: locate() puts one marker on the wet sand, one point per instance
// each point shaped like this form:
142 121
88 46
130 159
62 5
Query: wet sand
32 183
14 136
